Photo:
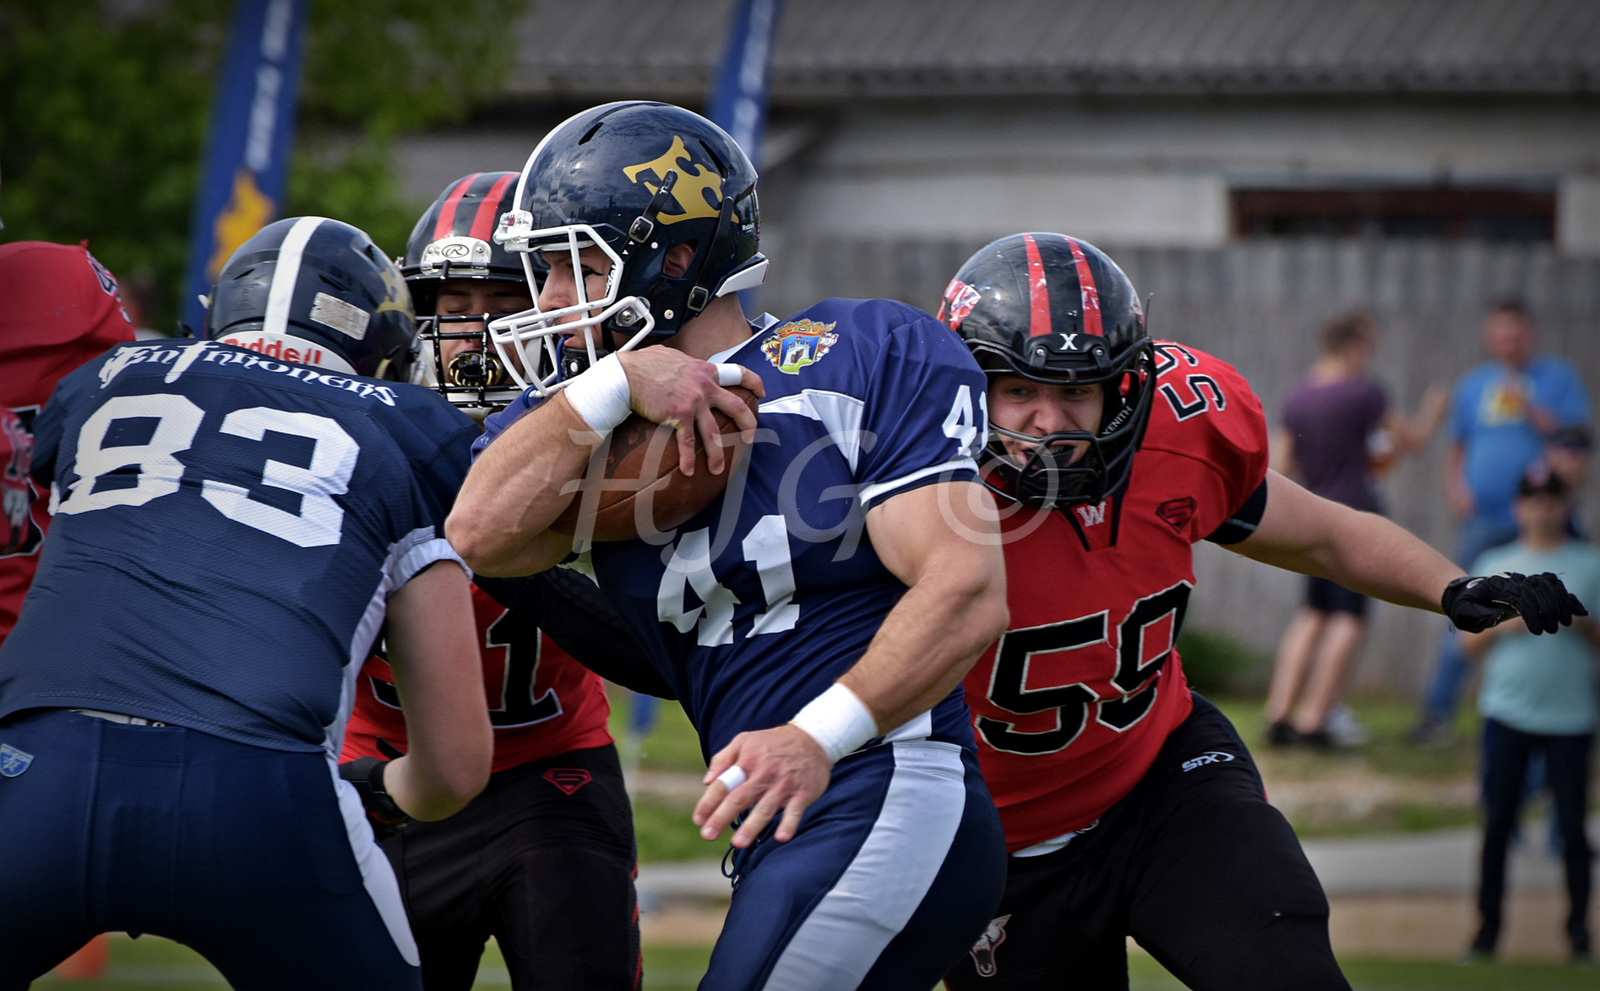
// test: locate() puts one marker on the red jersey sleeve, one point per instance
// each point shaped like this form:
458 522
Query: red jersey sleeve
62 308
1206 412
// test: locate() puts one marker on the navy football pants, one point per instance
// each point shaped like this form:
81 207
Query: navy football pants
894 872
259 859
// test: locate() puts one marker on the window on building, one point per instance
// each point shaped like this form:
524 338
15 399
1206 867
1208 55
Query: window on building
1448 213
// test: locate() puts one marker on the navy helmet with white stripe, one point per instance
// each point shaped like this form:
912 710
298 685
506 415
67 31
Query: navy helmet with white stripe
1056 309
321 282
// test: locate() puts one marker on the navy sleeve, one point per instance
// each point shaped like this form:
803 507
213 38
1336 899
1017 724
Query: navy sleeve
578 617
926 413
496 423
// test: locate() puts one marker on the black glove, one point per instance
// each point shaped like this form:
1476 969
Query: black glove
1475 604
366 773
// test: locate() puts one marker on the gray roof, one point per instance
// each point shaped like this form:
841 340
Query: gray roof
828 49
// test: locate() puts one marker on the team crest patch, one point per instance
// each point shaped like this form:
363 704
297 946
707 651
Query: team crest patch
983 950
796 345
1177 513
568 779
13 761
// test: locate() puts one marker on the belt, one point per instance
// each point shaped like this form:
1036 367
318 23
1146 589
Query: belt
117 717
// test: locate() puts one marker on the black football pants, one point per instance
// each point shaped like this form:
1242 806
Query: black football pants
1193 863
543 861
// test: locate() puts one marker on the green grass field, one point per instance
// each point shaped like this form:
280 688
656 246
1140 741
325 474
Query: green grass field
151 964
665 833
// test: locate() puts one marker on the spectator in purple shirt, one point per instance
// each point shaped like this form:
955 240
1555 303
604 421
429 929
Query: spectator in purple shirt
1338 431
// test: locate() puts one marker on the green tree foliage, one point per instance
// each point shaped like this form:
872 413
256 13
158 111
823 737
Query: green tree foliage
103 114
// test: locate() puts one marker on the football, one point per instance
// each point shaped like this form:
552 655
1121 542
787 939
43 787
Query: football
641 486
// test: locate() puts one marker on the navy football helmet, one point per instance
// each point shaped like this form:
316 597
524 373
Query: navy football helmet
314 281
634 179
454 240
1056 309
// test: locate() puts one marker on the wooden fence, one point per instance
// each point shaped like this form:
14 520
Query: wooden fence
1258 304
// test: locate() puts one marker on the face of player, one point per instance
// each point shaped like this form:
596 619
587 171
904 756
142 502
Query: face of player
1038 409
460 297
561 285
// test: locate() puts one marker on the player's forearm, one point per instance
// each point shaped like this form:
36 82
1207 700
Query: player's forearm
516 488
433 652
1380 558
1364 552
1374 556
931 639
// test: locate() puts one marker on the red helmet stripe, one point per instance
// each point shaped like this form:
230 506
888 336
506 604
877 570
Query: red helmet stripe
1038 291
489 210
447 212
1088 292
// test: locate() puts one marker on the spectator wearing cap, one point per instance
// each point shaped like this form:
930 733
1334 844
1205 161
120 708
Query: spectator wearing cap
1538 697
1501 415
1568 455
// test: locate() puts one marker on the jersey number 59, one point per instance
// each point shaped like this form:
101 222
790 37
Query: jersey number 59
1137 663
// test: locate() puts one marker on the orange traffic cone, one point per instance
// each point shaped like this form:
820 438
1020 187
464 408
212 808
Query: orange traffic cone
89 963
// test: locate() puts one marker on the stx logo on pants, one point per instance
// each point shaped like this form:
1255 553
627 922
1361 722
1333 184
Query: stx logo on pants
983 950
1209 757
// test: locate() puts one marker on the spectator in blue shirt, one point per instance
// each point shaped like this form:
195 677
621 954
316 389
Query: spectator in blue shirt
1538 698
1501 414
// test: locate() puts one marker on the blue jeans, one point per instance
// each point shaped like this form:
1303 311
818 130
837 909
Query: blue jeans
1444 691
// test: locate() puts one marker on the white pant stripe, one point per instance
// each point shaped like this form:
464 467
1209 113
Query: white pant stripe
377 875
876 896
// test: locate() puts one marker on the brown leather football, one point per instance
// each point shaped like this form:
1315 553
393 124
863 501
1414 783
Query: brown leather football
642 486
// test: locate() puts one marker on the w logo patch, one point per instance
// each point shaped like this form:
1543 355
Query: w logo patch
13 761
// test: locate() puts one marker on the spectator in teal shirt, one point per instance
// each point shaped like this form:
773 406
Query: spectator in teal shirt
1501 414
1538 696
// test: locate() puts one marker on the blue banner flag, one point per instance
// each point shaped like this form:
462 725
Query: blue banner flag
247 147
738 102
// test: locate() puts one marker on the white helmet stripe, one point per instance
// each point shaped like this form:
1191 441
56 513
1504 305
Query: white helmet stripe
286 273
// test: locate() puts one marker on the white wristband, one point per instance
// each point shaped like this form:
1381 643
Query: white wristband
601 395
838 721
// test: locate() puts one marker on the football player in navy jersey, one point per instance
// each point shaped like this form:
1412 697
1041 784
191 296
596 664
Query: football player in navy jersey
236 521
1131 807
816 618
543 860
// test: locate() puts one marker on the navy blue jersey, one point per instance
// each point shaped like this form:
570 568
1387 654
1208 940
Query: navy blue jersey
227 531
762 600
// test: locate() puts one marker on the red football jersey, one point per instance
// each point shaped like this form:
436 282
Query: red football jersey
541 701
1072 704
61 309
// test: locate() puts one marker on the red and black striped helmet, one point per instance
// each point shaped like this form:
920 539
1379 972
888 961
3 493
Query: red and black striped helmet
1056 309
455 238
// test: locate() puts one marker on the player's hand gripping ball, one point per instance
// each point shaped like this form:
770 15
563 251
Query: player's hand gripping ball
641 487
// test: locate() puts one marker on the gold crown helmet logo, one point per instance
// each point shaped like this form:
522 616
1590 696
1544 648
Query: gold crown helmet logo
698 190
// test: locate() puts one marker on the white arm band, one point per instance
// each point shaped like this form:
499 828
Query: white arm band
838 721
601 395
